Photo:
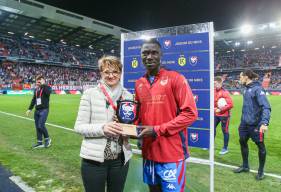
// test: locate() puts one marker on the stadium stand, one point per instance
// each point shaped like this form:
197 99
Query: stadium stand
66 49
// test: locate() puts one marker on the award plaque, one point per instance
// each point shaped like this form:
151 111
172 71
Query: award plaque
127 114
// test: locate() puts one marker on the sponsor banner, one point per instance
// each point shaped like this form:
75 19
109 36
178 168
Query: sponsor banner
66 87
235 92
189 54
58 92
19 92
198 80
202 98
175 61
203 120
129 79
196 138
275 92
170 44
74 92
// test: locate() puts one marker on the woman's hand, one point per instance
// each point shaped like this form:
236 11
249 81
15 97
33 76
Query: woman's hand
112 129
115 118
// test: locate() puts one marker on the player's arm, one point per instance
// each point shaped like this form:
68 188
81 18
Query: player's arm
33 101
187 109
264 104
229 102
83 123
31 105
47 89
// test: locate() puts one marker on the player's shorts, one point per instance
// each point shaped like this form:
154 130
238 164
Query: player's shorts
251 132
170 176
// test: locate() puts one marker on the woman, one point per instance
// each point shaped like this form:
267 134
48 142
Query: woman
105 152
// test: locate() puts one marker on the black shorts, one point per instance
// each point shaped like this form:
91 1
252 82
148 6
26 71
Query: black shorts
251 132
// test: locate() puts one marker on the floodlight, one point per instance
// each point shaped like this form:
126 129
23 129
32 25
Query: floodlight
246 29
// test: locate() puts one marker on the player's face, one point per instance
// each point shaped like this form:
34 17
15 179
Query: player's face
218 85
151 56
243 79
111 76
40 82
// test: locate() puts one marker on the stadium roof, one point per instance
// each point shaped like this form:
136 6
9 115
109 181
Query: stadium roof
249 37
34 19
44 22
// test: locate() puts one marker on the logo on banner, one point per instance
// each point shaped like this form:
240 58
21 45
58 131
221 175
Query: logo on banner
182 60
194 137
193 60
167 44
195 98
135 63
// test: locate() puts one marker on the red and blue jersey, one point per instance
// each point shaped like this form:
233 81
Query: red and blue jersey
169 106
222 93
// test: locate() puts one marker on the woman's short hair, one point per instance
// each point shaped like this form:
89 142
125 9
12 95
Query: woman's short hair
218 79
109 61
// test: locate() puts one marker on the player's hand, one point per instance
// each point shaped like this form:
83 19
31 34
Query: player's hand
43 82
28 112
263 128
112 129
218 110
146 131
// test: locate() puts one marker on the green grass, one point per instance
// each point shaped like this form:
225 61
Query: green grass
58 168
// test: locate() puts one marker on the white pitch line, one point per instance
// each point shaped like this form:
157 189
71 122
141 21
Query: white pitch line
251 170
21 184
26 118
137 151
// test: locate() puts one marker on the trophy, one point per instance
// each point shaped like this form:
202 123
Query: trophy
127 113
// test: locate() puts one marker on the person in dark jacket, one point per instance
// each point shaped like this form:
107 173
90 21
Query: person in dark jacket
254 120
41 100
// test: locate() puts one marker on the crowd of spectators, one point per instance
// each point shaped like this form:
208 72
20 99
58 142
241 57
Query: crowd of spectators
269 79
262 58
59 53
55 75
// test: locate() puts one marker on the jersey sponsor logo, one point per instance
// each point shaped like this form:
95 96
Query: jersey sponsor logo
164 81
135 63
171 186
167 44
170 175
194 137
182 60
262 93
193 60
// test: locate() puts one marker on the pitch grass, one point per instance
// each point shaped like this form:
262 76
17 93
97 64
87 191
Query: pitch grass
58 168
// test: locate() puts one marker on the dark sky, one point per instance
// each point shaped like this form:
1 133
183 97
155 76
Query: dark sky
149 14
